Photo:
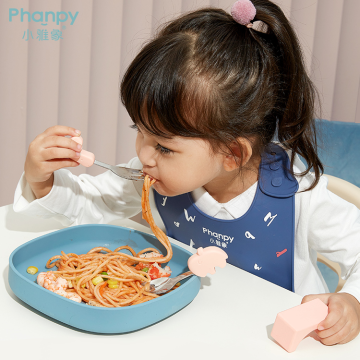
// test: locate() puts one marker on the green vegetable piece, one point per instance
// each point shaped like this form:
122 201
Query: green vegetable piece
145 269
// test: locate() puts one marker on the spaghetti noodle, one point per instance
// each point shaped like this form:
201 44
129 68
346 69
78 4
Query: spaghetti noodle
108 278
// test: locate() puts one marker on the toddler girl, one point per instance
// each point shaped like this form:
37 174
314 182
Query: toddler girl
208 96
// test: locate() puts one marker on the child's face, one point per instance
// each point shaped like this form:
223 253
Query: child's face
180 164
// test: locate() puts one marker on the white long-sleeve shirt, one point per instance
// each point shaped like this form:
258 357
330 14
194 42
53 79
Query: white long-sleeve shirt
324 223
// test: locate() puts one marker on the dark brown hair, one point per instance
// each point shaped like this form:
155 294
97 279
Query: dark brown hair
206 76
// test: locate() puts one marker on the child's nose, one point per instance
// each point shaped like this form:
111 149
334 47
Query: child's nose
146 156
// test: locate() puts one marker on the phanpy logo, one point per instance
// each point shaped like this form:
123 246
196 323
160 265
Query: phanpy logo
217 235
39 16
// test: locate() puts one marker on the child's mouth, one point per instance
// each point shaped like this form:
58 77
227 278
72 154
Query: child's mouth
151 177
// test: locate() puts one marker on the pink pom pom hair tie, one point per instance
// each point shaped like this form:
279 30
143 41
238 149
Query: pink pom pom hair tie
243 11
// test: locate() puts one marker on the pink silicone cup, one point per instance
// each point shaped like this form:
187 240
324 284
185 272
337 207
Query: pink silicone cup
293 325
87 158
205 260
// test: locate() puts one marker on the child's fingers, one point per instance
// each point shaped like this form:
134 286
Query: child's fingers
332 325
342 323
337 326
61 163
61 141
59 153
61 130
323 297
336 334
336 312
352 335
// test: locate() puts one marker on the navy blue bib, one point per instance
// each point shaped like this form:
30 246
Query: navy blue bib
262 240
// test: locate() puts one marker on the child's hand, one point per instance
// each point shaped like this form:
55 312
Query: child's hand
50 151
343 321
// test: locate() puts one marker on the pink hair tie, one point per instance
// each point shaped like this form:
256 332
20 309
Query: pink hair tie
243 11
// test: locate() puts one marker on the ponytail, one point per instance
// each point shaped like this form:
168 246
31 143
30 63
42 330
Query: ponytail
295 107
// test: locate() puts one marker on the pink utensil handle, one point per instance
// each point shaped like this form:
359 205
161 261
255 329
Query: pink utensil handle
78 139
205 260
293 325
87 158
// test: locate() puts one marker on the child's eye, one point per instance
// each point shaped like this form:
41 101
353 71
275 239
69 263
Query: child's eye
163 149
135 127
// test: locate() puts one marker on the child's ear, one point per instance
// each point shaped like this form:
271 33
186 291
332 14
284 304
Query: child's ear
242 152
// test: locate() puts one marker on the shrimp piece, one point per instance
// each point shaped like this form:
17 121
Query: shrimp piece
69 295
61 283
41 277
52 283
156 271
58 285
49 281
151 255
142 265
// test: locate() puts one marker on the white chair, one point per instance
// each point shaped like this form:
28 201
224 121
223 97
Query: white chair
350 193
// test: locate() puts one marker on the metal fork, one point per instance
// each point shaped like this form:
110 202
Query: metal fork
162 285
124 172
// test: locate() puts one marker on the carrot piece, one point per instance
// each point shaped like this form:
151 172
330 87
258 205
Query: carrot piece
102 288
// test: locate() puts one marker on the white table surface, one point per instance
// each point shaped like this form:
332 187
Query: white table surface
231 317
